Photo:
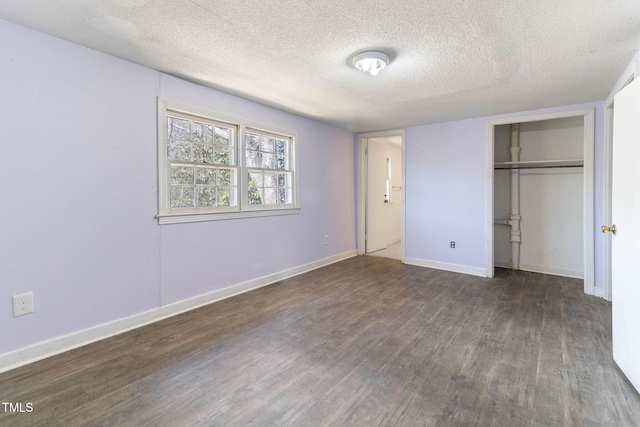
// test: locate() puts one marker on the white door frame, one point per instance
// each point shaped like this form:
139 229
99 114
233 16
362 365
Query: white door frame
361 189
626 78
588 186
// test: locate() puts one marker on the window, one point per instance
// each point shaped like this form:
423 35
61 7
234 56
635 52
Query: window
387 196
202 161
217 167
269 169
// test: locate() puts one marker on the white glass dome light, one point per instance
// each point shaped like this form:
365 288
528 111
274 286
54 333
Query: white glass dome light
371 61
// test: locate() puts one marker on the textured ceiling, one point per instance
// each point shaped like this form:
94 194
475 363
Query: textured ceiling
452 59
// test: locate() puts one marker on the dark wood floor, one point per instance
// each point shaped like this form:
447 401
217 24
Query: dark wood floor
368 341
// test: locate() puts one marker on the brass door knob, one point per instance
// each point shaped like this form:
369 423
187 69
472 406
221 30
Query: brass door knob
607 229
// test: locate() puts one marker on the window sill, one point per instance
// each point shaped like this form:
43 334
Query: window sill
217 216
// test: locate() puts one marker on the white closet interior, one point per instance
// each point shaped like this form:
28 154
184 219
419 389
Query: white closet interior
538 196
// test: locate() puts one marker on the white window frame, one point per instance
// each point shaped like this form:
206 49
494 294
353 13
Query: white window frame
167 215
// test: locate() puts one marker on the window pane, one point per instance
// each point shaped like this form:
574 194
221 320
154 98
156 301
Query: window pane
223 136
281 147
224 196
282 163
270 196
182 175
202 132
207 134
268 161
255 195
181 197
223 155
251 141
178 150
256 178
282 195
225 177
205 196
267 144
179 128
254 159
270 179
203 153
282 179
205 176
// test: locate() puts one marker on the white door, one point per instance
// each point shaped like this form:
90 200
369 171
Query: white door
625 259
375 230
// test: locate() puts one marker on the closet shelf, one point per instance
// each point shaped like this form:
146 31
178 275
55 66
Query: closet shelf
572 163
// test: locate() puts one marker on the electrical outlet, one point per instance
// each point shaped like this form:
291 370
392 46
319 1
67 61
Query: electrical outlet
23 304
452 244
326 239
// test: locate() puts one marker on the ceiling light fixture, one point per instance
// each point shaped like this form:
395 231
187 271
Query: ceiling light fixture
371 61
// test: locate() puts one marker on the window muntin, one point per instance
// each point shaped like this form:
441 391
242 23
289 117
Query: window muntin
213 166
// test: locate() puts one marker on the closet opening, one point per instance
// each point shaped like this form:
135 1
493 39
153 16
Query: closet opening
541 195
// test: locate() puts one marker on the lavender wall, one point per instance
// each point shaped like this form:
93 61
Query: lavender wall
445 192
446 189
79 193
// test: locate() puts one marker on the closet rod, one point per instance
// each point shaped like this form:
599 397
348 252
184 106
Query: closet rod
537 167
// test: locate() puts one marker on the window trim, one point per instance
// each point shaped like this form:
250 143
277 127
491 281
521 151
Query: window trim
243 210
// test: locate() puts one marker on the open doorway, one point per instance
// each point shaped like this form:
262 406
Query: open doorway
381 194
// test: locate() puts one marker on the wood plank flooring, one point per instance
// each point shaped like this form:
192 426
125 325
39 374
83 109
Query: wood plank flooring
364 342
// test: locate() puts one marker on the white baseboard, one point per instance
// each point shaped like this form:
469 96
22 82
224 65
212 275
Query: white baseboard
456 268
42 350
575 274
